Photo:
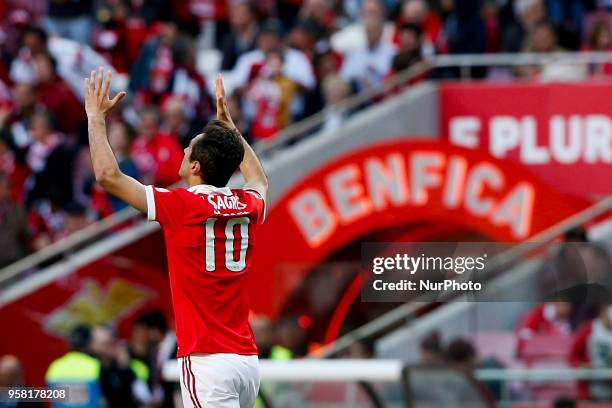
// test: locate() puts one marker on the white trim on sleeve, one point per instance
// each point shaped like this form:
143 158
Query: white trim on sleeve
150 203
257 194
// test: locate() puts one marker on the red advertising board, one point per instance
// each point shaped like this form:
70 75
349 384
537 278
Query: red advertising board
560 132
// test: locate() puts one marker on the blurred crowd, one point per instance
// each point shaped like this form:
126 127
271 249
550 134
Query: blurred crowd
127 371
281 64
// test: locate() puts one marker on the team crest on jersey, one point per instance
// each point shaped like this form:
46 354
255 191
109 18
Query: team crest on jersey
223 202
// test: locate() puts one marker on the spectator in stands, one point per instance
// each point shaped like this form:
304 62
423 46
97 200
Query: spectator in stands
148 334
578 273
77 368
115 38
44 140
461 353
464 28
14 235
187 84
600 39
270 96
569 18
120 137
548 319
176 122
318 17
335 90
123 381
11 371
544 39
14 125
295 64
592 348
11 376
432 350
16 171
75 218
525 15
57 97
70 19
410 47
157 155
263 330
290 339
34 42
151 74
366 67
416 13
304 36
242 36
51 162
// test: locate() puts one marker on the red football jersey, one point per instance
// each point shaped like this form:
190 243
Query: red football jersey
210 236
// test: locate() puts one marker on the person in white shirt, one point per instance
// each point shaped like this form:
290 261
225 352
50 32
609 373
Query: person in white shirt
367 67
296 65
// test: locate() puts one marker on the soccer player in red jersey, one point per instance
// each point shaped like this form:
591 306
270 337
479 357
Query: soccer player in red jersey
210 233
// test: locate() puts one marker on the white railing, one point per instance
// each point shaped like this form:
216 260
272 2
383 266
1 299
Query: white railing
354 370
315 370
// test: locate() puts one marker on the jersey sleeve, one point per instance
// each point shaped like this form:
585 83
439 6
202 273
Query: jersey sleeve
260 202
164 206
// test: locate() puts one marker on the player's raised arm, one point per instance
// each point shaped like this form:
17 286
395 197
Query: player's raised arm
250 167
106 169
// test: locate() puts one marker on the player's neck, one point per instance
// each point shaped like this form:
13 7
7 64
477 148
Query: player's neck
194 181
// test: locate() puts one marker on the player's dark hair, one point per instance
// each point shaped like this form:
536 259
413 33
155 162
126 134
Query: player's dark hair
219 152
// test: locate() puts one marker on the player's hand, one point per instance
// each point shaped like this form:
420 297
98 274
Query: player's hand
222 109
97 101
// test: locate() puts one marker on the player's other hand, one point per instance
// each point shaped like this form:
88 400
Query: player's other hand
97 101
223 113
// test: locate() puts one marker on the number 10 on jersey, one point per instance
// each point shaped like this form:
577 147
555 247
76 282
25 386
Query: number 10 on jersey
231 263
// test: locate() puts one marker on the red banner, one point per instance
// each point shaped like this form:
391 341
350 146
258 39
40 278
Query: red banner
560 132
397 185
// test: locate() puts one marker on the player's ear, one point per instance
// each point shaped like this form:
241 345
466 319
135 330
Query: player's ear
195 167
